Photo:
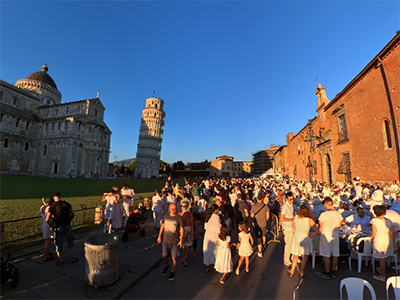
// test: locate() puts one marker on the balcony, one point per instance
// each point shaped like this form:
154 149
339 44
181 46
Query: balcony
343 137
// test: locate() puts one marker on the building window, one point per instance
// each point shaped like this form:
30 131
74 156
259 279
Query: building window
56 111
14 101
388 135
44 149
16 124
295 170
1 95
26 146
5 145
1 117
95 112
342 128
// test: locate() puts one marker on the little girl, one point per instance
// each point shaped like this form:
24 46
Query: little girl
228 222
245 246
196 231
223 261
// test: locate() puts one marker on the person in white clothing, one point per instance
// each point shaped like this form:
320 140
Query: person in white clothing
286 220
171 199
384 239
127 196
329 223
395 218
112 198
158 212
378 195
358 219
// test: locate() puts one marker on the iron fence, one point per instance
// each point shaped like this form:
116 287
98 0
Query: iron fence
29 228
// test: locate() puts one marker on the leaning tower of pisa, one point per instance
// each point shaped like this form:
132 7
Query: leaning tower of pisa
150 139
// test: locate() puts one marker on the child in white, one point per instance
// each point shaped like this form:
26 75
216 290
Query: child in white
223 260
245 246
384 239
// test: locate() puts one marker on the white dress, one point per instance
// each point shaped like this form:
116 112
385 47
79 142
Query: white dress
223 261
212 228
383 244
302 244
245 248
47 233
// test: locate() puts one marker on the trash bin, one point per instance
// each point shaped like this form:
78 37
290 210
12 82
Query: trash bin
101 256
99 214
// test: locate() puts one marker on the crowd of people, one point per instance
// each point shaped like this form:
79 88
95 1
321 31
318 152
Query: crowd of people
237 213
57 215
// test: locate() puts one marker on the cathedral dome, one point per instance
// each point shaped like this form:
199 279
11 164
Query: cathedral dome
42 76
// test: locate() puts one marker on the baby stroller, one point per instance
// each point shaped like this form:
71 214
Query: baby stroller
9 271
136 217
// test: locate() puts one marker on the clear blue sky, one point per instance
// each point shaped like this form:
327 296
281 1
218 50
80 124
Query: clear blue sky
235 76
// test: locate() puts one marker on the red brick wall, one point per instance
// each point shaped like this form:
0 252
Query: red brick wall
366 107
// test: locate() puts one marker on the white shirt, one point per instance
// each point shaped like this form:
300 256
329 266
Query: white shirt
127 192
395 218
330 224
287 211
377 195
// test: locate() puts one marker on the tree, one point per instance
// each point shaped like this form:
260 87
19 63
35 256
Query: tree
179 165
131 166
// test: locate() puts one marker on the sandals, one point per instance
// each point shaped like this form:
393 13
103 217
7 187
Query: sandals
237 271
222 280
289 272
59 263
302 274
74 259
379 277
49 258
185 263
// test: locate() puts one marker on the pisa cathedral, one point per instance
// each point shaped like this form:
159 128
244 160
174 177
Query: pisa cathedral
150 139
41 136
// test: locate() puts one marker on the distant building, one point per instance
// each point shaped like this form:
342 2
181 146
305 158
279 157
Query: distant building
263 159
241 168
222 167
150 139
42 136
280 161
192 170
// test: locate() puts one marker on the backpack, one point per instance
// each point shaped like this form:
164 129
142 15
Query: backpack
63 213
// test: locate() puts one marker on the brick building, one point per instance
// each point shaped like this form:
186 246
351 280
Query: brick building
241 168
357 132
280 161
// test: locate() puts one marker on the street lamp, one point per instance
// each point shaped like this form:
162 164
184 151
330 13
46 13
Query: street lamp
310 138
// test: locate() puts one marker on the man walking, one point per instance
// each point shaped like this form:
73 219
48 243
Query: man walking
127 196
62 213
260 211
172 227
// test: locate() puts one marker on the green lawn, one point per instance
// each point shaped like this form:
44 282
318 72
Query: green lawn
21 195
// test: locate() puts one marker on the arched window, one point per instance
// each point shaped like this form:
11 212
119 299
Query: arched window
388 135
26 146
44 149
5 145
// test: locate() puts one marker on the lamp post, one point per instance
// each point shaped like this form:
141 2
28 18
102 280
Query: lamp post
310 138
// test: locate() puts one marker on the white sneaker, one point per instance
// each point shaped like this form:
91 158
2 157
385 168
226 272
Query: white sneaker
260 254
